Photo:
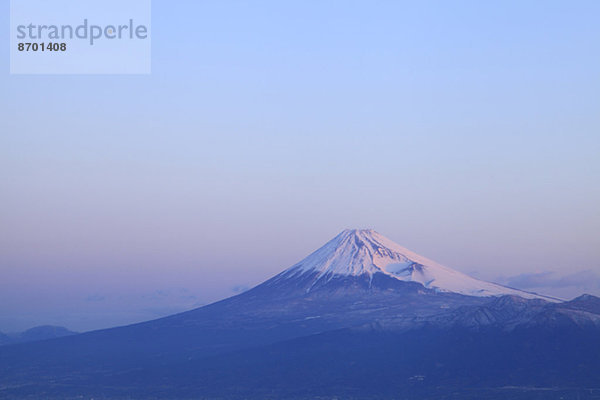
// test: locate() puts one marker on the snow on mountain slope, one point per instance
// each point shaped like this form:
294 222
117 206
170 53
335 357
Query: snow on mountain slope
357 252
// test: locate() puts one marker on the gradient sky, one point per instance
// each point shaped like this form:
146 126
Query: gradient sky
466 131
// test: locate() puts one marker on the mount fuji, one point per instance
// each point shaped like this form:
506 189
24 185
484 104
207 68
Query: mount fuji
360 318
364 253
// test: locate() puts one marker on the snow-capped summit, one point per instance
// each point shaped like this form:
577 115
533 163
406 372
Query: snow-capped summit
364 252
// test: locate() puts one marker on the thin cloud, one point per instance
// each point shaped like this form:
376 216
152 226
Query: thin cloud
239 289
95 298
583 279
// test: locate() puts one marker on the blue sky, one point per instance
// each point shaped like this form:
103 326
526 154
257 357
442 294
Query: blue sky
466 131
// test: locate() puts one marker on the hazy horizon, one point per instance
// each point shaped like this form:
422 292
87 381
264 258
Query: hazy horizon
98 309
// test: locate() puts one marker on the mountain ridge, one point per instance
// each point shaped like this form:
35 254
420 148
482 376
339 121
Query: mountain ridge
42 332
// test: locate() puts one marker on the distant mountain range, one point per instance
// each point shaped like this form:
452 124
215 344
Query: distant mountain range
43 332
360 318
